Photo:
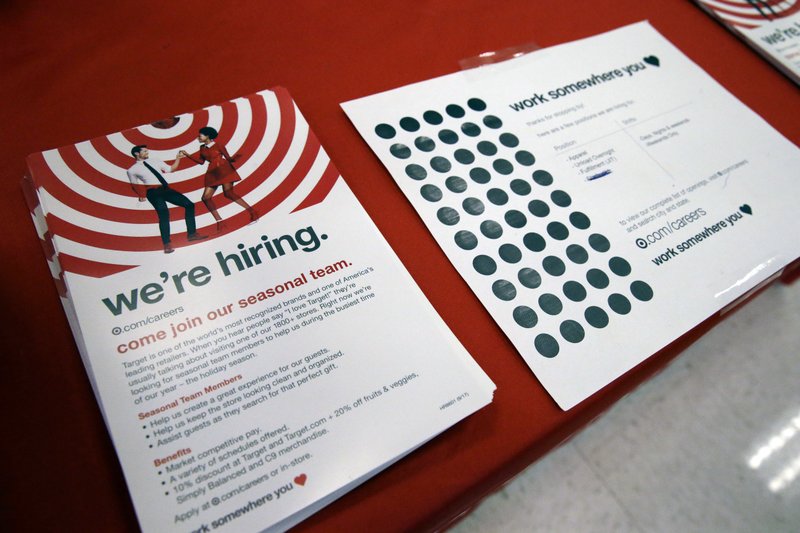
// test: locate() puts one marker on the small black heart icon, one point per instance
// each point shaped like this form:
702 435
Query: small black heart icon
653 60
744 208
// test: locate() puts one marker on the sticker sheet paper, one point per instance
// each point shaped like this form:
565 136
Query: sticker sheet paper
600 198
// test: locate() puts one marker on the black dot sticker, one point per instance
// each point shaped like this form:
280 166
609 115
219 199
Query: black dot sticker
533 242
448 136
574 291
560 198
525 158
641 291
619 304
483 264
596 317
491 229
509 139
546 345
463 156
557 230
492 121
577 254
529 278
599 243
525 316
542 177
466 240
550 304
572 331
619 266
416 172
476 104
520 187
597 278
440 164
425 144
385 131
432 117
510 253
487 148
400 151
579 220
455 184
448 216
432 193
553 265
538 208
504 290
471 129
516 219
409 124
455 111
473 206
480 175
497 196
503 166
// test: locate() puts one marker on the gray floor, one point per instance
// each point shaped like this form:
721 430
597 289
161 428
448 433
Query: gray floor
712 443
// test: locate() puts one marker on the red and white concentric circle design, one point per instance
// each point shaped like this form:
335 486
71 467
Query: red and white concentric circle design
745 14
95 225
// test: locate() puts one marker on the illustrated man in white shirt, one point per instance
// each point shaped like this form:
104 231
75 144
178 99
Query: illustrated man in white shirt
148 182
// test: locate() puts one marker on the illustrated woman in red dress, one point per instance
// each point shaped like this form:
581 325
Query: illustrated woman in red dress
220 172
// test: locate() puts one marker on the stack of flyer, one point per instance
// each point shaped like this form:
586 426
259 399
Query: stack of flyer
771 28
600 197
256 347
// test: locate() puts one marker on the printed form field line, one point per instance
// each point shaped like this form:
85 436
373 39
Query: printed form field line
623 128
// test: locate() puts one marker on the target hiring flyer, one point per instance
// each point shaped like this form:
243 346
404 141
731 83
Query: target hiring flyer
255 346
771 28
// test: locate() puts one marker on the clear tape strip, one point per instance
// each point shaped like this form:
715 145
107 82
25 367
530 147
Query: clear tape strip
494 59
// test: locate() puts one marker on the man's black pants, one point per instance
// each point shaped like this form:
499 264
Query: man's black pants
159 197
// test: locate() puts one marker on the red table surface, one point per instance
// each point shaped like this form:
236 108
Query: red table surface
76 70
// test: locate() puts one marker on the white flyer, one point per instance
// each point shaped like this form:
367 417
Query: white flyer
256 351
601 197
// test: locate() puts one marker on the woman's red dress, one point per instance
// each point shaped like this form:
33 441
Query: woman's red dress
220 170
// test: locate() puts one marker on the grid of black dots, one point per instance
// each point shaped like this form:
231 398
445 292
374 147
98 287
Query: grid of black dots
466 156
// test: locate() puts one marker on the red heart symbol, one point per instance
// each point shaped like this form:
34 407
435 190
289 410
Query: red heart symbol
301 479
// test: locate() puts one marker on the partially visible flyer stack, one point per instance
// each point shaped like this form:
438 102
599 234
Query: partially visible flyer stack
770 27
256 347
